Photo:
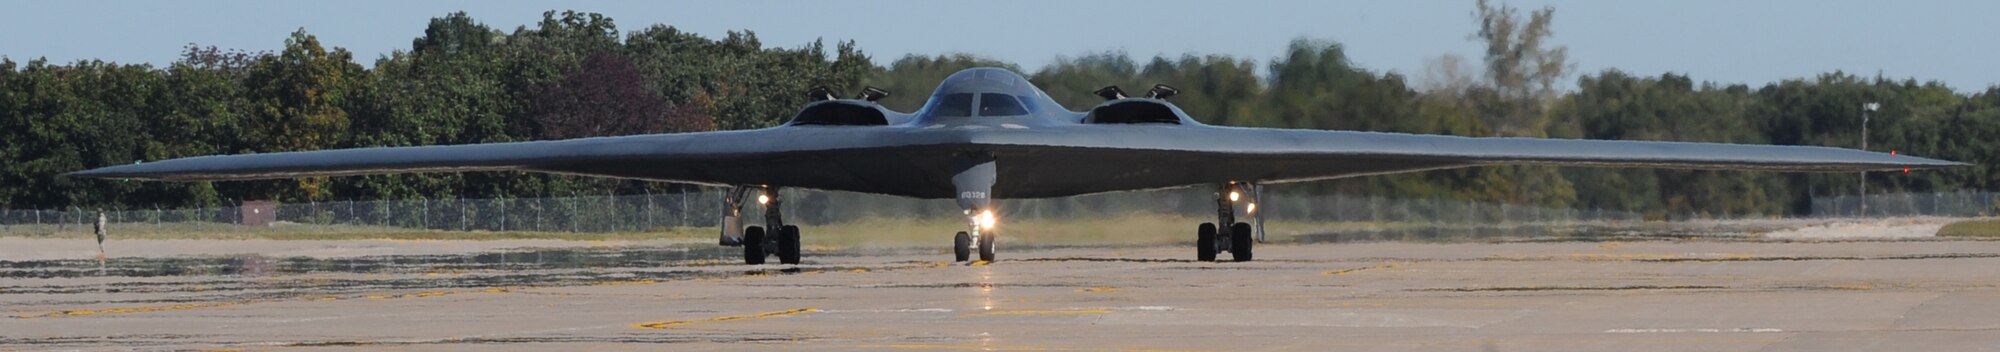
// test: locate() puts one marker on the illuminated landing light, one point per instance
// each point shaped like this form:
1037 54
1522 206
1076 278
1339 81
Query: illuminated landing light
763 199
986 220
1234 195
1252 209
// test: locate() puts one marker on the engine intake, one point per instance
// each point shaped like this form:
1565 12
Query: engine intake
872 94
1134 111
841 113
1162 92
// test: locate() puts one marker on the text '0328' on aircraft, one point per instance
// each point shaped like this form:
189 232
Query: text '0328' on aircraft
988 134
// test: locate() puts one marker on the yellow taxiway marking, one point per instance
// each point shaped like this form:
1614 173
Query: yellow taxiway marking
128 310
186 306
1041 312
978 263
673 323
942 347
625 282
1099 289
1622 257
438 293
1352 270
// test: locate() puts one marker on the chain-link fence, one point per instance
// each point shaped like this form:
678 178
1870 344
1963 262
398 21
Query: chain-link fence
1953 204
702 208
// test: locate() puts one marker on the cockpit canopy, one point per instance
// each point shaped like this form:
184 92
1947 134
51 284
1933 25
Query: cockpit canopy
988 92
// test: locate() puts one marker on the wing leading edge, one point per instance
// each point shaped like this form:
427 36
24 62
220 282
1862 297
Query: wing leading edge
896 161
560 156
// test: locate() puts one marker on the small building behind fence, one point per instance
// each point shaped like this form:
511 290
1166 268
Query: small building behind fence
258 212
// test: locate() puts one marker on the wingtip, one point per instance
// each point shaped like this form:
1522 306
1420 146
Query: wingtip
92 173
102 172
1922 162
1945 163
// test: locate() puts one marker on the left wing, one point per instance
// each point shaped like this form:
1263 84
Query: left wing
788 155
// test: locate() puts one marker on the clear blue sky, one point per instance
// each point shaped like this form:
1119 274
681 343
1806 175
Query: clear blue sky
1712 40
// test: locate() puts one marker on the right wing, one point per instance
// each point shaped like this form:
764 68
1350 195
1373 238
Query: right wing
1167 156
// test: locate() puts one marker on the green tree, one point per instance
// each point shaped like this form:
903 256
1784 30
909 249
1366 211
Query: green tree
296 101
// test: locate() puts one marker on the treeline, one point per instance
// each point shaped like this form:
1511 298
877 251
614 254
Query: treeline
576 74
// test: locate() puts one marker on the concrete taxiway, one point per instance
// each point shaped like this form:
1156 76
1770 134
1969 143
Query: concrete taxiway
1570 296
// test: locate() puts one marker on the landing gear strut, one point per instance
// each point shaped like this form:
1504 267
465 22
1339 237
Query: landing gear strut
974 182
760 241
1235 237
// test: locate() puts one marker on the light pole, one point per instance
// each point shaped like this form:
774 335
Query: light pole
1865 109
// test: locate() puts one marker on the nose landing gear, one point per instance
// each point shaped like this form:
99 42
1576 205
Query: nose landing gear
980 237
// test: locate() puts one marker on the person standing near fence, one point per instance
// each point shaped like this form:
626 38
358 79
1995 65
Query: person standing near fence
100 241
100 230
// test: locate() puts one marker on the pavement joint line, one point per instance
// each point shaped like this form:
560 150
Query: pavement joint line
673 323
187 306
1693 330
1569 288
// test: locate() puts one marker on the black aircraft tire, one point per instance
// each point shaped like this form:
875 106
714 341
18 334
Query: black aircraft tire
788 245
961 246
986 246
1240 241
1204 242
753 245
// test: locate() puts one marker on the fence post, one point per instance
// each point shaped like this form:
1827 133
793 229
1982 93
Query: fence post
502 203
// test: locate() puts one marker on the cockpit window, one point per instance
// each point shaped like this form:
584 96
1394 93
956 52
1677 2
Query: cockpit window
953 105
997 104
986 91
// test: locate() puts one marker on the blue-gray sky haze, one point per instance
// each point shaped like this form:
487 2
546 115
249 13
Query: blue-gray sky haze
1729 41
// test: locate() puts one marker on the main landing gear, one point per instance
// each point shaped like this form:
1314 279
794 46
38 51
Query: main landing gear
760 242
1234 237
